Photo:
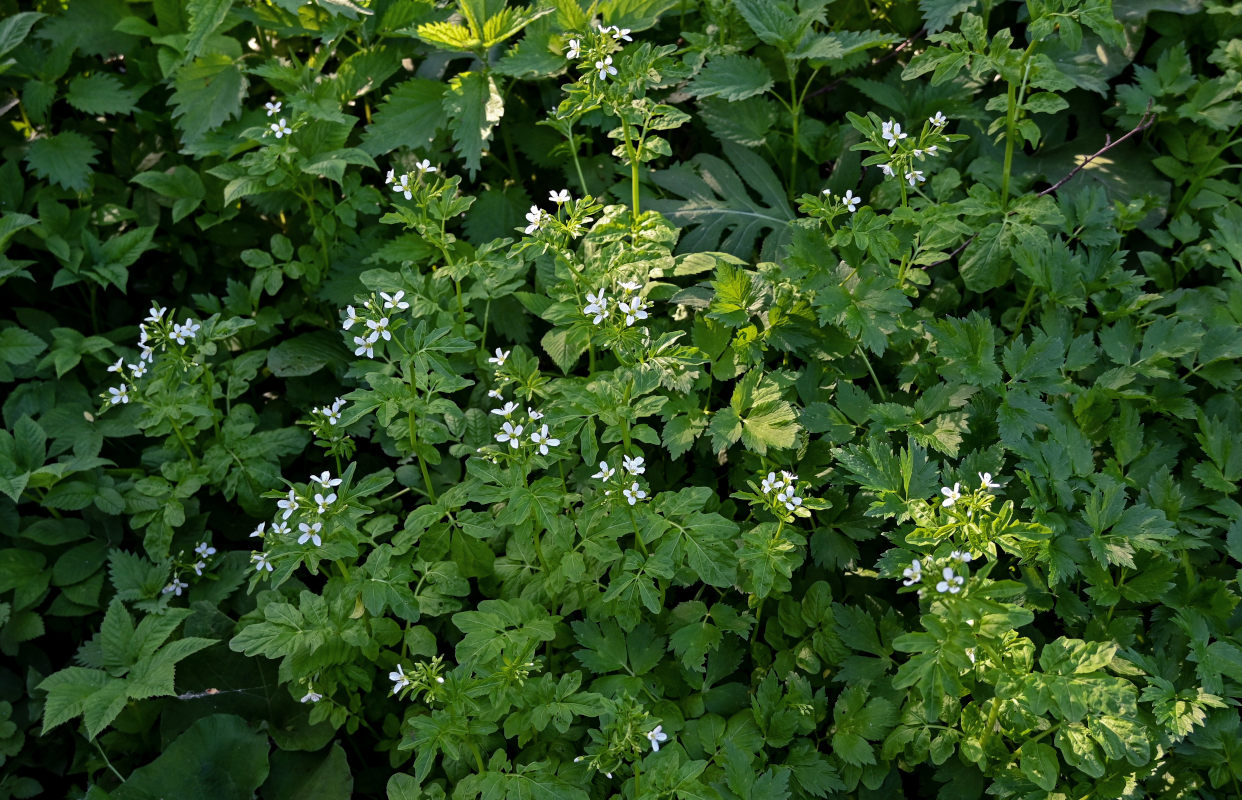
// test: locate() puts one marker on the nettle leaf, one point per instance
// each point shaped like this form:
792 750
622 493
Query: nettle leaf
64 159
968 348
733 77
474 101
756 415
208 93
101 93
408 117
718 211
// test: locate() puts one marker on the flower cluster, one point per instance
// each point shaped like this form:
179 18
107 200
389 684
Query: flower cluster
424 676
514 433
954 494
947 572
571 218
313 507
375 322
625 308
596 49
631 468
157 331
902 153
202 553
331 415
407 183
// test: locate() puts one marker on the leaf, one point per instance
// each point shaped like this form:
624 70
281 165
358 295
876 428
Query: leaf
476 105
940 13
15 28
218 757
774 22
101 93
310 776
968 347
64 159
68 692
408 117
718 211
1039 762
205 17
756 415
732 77
306 354
208 93
18 346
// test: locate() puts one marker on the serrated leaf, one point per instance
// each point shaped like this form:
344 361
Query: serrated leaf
18 346
101 94
205 17
474 101
208 93
68 692
15 28
408 117
64 159
732 77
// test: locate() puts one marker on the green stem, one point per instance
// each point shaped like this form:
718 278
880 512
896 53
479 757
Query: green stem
185 446
422 464
638 536
632 151
874 379
990 725
1026 307
478 757
573 151
1013 97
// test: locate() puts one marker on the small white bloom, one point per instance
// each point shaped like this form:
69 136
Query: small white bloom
634 309
311 696
199 567
952 583
791 500
365 346
913 573
289 505
425 167
120 394
494 394
280 528
402 187
390 177
322 503
310 533
399 679
535 218
325 480
533 414
605 68
155 314
281 129
260 562
962 556
506 410
826 193
915 177
634 466
597 305
986 479
351 318
510 433
205 550
656 737
541 439
951 496
139 369
887 169
851 202
931 151
393 302
500 357
257 533
891 132
633 494
118 366
939 120
605 472
630 286
380 327
273 108
771 482
175 587
575 49
559 197
621 34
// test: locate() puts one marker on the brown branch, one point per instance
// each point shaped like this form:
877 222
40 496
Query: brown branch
956 252
1146 121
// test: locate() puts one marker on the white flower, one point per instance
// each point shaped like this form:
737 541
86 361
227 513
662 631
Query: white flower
260 562
175 587
605 472
962 556
891 132
494 394
155 314
394 302
541 439
281 128
139 369
633 309
403 187
597 305
182 332
322 502
533 414
280 528
310 533
826 193
506 410
273 108
952 583
289 505
621 34
913 573
915 177
887 169
851 202
634 466
939 120
535 218
205 550
575 49
791 500
630 286
118 366
510 433
325 480
311 696
380 326
365 346
771 482
605 68
633 494
399 679
351 318
390 177
656 737
120 394
199 567
986 479
951 496
499 358
931 151
559 197
424 167
148 355
257 533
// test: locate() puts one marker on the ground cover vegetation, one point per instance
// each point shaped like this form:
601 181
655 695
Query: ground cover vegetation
620 398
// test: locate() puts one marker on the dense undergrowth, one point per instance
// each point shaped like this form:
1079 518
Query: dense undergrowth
655 399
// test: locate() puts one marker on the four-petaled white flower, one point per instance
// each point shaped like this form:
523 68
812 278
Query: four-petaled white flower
510 433
630 286
506 410
322 502
425 167
986 479
951 496
120 394
597 306
938 119
176 586
139 369
351 318
260 562
533 414
390 177
310 533
605 68
788 497
535 217
915 177
399 679
952 582
273 108
393 302
962 556
118 366
621 34
634 309
634 493
325 480
366 346
199 567
542 440
605 472
280 528
281 129
887 169
656 737
289 505
257 533
913 573
634 466
495 395
499 358
180 333
891 132
559 197
156 313
311 696
380 328
771 482
205 550
402 187
851 202
575 49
